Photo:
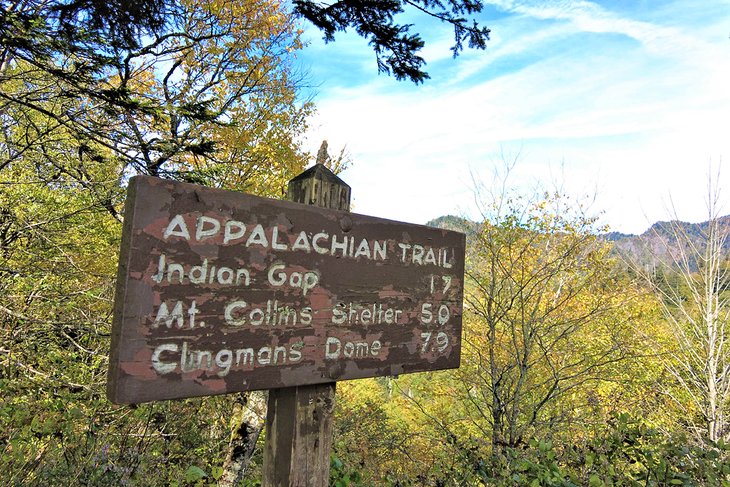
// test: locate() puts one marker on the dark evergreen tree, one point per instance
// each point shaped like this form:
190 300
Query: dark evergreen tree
396 48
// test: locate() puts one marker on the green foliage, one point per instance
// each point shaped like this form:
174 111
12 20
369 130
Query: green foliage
341 476
624 452
630 452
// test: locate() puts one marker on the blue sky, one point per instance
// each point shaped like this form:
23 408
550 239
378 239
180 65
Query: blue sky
624 103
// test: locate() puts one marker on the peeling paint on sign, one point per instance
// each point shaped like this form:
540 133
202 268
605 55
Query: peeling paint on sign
220 291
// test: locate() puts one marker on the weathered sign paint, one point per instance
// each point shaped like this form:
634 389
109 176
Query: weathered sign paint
220 291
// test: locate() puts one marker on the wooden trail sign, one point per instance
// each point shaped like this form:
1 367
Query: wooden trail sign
220 291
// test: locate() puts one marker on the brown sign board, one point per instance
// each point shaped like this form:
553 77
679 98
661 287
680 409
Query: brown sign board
220 291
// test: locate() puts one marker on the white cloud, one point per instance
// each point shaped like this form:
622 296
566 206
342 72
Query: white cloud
634 119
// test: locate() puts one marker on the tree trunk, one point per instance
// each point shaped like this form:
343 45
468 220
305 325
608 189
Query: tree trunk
248 421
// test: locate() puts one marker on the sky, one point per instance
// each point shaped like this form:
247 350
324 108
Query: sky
622 104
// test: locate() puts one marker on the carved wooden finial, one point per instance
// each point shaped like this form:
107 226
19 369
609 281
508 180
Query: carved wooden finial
318 186
323 154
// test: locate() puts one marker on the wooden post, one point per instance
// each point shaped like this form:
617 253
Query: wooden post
299 419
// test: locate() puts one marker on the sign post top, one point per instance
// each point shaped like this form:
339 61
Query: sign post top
318 186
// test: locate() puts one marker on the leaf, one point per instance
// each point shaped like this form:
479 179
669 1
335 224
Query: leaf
193 474
216 472
336 463
595 481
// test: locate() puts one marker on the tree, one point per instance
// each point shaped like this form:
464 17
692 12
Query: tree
67 45
548 320
557 340
41 32
211 98
691 278
395 47
32 29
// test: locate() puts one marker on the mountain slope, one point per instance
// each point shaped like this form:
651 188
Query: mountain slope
657 243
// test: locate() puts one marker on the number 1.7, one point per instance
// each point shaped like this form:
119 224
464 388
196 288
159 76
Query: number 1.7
447 284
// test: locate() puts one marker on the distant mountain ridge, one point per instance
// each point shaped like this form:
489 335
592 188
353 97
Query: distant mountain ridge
654 244
665 228
659 240
451 222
